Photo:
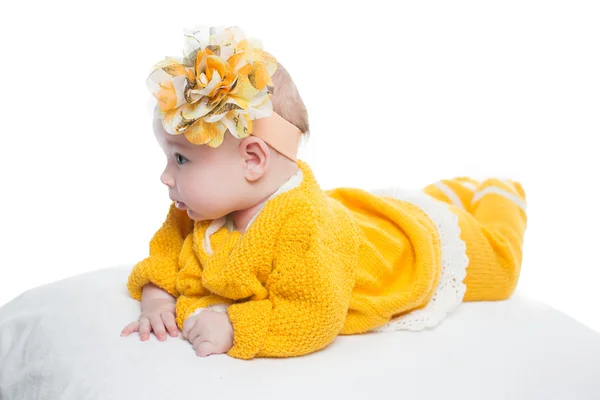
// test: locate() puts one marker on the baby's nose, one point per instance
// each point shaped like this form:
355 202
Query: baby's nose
167 179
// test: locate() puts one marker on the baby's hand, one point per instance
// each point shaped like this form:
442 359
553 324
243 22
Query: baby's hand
209 332
156 315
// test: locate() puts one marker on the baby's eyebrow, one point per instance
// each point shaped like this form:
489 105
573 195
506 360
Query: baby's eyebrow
185 146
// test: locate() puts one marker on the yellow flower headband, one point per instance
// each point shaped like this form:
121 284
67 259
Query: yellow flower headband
221 84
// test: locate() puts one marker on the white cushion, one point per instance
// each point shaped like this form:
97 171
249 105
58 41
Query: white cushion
62 341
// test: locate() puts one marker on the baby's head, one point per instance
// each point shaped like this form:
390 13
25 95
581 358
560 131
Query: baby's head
211 182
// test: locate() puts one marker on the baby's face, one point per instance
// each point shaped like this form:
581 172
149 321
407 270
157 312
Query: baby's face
204 181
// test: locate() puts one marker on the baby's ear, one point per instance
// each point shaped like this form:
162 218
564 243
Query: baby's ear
257 157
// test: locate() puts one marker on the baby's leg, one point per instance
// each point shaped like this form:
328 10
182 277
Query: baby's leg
492 219
498 209
457 191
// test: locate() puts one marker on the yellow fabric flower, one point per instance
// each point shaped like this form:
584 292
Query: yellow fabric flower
220 84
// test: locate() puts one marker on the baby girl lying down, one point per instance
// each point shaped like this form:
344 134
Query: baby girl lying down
254 259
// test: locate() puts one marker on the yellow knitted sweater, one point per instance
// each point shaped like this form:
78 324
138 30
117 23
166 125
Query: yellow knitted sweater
316 264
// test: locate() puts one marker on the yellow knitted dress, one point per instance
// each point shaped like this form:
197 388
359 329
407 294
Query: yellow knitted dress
314 264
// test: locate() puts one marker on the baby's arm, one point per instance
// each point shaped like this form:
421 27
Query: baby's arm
152 281
162 265
308 294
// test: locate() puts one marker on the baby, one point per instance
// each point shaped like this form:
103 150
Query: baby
254 259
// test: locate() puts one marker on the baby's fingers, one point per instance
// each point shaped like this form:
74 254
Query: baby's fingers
187 326
169 320
159 328
204 349
132 327
144 328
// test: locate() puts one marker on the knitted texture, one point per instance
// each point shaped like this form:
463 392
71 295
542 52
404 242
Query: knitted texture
162 266
492 219
315 264
399 258
450 289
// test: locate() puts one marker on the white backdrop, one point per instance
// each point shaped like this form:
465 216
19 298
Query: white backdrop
397 95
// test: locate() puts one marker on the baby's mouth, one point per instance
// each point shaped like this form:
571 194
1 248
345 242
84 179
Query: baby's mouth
180 205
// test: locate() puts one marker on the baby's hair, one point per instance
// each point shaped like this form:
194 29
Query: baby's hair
287 101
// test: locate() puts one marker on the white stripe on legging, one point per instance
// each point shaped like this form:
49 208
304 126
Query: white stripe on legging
450 194
468 185
495 189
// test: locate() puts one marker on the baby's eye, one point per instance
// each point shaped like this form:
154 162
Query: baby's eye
180 159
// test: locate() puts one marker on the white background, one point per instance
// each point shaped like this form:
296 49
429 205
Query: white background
402 94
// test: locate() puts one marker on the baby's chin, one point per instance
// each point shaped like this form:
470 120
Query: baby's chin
195 216
198 217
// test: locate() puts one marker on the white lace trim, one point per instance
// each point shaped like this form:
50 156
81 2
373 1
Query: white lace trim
450 290
222 308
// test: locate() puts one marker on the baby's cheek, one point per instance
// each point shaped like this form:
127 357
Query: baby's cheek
202 207
213 199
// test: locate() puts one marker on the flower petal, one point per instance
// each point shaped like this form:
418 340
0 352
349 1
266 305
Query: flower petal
261 109
166 96
227 52
167 83
238 33
200 64
237 61
244 91
170 120
239 125
196 110
219 112
215 63
222 36
195 37
179 83
270 62
201 132
218 139
214 81
218 35
259 77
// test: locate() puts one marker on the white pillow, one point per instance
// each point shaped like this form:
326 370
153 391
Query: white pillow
62 341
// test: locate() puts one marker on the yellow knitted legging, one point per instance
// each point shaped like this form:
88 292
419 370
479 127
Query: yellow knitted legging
492 218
